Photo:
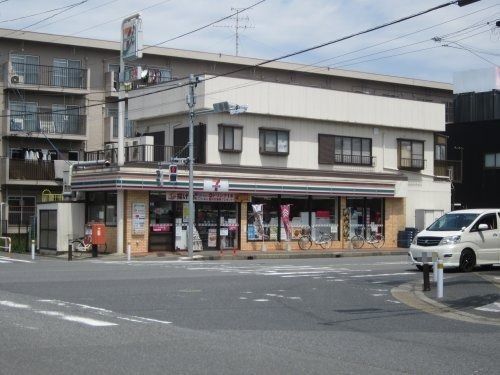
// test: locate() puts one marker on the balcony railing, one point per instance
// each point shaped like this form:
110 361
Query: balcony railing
51 76
46 121
412 164
140 154
31 170
451 168
354 160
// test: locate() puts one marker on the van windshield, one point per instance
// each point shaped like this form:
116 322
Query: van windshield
452 222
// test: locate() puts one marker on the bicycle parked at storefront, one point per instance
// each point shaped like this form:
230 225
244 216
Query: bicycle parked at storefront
375 239
306 241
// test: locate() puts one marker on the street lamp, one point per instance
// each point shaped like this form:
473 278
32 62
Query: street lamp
223 107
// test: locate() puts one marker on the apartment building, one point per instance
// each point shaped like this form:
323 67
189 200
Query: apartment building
337 146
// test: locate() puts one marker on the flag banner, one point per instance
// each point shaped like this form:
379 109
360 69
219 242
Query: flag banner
258 220
285 219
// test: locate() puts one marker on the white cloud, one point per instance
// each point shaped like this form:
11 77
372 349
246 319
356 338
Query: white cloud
283 26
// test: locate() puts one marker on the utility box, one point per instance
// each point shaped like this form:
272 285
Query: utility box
98 234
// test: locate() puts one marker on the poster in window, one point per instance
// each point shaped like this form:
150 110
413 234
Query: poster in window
212 237
138 218
282 142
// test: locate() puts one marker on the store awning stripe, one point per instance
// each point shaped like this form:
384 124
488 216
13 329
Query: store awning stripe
385 190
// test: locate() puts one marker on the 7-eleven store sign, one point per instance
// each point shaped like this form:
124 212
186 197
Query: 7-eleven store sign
216 185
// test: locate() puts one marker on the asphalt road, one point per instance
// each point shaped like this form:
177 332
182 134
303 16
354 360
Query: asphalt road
308 316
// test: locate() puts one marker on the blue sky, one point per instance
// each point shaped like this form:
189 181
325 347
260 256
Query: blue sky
467 36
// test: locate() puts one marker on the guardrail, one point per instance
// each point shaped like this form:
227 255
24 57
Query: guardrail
8 245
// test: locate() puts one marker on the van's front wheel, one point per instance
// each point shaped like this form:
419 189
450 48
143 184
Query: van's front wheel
467 261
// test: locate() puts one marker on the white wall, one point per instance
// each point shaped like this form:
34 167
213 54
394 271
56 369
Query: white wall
425 193
277 99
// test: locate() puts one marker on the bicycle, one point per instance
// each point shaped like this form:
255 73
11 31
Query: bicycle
81 245
305 241
377 240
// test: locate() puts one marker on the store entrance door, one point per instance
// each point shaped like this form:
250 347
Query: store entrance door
217 225
161 223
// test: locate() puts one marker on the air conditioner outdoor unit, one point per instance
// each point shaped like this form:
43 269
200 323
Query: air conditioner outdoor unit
16 79
109 153
17 123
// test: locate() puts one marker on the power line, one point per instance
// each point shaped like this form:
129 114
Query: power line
289 54
34 14
205 26
65 9
78 14
112 20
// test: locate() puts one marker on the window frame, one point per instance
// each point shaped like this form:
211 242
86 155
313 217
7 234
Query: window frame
496 160
276 131
412 159
222 133
351 156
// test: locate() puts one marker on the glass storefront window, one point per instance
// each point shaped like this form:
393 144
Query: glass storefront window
101 207
299 215
318 213
270 219
365 216
324 217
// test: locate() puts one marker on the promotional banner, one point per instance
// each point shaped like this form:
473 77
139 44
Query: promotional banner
258 220
285 219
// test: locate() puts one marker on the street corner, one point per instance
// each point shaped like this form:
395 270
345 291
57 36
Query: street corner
467 297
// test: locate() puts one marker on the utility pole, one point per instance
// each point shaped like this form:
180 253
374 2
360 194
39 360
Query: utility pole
237 18
191 101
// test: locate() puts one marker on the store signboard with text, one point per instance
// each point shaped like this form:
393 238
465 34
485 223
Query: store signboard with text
202 197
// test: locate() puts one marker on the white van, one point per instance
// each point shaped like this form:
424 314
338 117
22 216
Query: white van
462 239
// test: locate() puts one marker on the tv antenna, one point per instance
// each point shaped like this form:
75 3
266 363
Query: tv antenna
237 26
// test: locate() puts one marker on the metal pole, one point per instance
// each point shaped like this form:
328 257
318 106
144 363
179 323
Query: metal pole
191 102
33 249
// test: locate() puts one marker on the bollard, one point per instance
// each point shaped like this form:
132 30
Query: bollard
434 268
70 252
94 251
129 249
440 277
425 269
33 249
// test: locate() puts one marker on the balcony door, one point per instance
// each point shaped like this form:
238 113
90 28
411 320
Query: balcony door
23 116
65 119
67 73
26 66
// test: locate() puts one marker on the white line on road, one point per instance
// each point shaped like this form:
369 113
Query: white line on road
13 304
7 260
492 307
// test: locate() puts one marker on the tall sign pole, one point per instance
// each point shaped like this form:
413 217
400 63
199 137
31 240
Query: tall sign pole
130 49
191 101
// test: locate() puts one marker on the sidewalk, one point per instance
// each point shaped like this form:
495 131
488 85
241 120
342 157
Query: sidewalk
250 255
472 297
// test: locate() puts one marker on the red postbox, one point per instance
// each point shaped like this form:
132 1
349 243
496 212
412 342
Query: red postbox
98 234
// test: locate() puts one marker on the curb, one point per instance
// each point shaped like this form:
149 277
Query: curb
410 295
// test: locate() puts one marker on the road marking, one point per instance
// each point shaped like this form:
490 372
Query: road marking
8 260
103 312
492 307
14 305
261 300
